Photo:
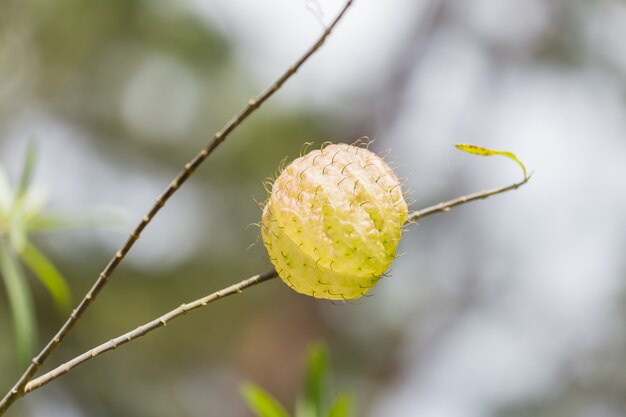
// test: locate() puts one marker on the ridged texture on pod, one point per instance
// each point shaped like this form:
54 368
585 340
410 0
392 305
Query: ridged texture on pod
333 221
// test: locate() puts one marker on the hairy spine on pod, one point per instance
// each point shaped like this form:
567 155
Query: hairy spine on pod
333 221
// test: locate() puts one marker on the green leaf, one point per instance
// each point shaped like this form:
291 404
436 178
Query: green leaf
6 195
17 234
478 150
304 408
48 274
341 407
20 302
27 171
262 403
316 378
55 221
31 204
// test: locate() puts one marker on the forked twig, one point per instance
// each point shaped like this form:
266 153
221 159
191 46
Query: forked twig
189 168
233 289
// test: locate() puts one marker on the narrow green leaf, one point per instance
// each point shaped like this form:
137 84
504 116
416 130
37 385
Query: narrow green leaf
27 171
304 408
48 274
20 302
17 234
262 403
341 407
6 195
478 150
55 221
31 204
316 378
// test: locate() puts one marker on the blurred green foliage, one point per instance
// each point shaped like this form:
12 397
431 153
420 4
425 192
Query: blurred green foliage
21 215
312 402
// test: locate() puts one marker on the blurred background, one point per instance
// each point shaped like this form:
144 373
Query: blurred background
510 307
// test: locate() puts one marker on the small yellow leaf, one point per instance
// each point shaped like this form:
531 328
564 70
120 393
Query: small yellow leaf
478 150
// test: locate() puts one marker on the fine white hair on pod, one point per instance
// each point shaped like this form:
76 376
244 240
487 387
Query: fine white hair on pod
333 220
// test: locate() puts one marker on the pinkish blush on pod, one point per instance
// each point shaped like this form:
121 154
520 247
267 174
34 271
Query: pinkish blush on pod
333 221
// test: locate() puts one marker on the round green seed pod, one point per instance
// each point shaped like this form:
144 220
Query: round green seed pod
333 221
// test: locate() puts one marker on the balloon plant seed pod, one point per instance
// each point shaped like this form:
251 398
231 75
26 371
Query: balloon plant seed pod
333 221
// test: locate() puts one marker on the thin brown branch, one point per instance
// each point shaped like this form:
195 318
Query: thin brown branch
233 289
447 205
147 328
188 170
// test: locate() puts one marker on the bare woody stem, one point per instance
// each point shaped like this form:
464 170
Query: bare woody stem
233 289
447 205
188 170
147 328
